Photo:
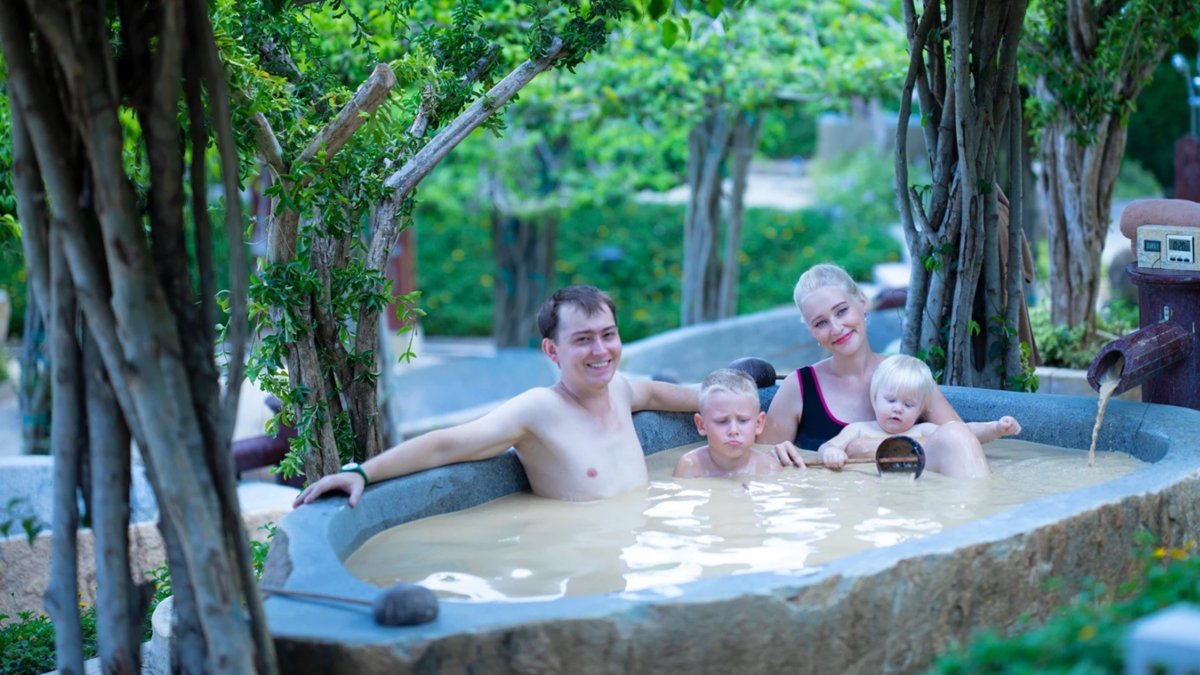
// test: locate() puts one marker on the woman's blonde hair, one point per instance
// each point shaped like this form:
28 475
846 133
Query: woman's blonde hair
820 276
904 375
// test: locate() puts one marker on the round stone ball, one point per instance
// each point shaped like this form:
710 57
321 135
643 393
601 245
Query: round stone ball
405 605
762 372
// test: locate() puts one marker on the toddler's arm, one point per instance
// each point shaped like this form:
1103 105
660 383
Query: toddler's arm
990 431
833 452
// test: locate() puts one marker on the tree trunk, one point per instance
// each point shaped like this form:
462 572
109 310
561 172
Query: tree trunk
1078 182
743 145
66 439
708 145
134 291
120 603
34 387
524 249
962 69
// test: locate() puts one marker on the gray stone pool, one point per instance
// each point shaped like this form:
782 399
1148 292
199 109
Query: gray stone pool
883 610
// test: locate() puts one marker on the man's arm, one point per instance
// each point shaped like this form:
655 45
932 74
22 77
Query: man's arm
485 437
650 395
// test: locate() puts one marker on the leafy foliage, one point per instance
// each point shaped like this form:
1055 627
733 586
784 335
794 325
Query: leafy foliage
1064 347
297 66
1161 117
455 258
18 513
1088 634
27 643
1132 38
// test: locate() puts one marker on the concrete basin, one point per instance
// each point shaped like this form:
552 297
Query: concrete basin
888 609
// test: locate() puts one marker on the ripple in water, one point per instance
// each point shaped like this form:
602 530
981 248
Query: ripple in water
528 548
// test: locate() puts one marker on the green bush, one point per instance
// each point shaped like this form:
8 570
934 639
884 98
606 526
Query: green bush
1063 347
1087 635
789 130
27 644
455 266
1135 182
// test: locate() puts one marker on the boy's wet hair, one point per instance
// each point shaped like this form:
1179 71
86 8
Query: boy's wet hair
590 299
735 382
820 276
904 375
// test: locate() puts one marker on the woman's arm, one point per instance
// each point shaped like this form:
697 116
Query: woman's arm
783 417
940 411
783 421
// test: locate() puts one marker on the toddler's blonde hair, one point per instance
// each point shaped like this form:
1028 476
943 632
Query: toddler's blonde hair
736 382
904 375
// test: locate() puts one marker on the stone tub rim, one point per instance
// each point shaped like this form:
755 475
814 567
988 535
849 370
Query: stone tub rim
1166 436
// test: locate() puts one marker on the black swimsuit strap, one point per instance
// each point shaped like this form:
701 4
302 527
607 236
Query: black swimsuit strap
816 424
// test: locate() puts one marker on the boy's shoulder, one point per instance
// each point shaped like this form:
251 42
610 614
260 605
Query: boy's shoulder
691 464
768 462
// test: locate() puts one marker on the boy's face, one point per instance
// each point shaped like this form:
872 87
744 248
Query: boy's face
895 411
586 347
731 422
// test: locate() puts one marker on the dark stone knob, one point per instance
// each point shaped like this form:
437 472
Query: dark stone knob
762 372
405 605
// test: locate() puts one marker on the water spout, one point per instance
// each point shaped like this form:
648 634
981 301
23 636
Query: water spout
1147 352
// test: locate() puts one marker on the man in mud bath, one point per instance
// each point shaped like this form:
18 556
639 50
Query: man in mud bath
575 439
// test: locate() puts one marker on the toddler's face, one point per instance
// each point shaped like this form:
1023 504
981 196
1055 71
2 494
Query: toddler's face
731 423
897 412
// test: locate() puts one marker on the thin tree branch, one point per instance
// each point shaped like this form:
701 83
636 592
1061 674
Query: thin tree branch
31 208
353 115
404 180
267 143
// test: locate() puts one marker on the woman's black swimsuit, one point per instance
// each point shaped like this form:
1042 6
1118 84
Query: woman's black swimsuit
817 424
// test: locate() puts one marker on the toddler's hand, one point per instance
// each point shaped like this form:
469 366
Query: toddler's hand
833 458
1008 426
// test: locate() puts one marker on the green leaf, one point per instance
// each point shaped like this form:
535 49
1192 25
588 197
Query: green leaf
715 7
657 9
670 32
687 27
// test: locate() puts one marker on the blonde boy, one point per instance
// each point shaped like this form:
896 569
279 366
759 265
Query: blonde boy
730 418
901 389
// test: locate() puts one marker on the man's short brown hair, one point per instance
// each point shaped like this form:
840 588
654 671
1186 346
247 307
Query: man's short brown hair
590 299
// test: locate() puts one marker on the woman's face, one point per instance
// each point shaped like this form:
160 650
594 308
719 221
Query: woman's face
836 319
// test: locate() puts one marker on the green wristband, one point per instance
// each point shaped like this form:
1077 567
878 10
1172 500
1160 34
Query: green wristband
355 467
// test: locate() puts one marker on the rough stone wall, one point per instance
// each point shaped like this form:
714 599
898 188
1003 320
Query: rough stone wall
891 620
25 568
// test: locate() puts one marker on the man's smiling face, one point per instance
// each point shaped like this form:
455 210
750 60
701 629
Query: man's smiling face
586 348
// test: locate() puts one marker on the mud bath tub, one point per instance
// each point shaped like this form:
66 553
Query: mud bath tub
883 610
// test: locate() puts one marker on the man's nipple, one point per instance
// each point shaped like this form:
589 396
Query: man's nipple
592 473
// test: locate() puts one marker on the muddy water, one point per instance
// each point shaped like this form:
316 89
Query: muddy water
1108 384
523 547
